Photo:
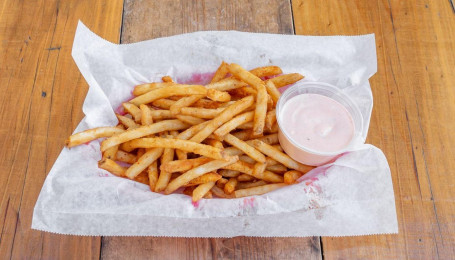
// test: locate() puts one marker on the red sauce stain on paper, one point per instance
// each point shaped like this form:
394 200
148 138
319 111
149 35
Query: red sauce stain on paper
195 204
197 78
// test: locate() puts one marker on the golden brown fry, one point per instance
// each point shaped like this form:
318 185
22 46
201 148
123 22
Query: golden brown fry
217 95
222 118
278 147
187 146
208 195
246 185
125 157
221 182
189 190
92 134
142 131
133 110
226 84
143 162
142 178
273 130
152 172
234 122
259 168
112 167
140 152
248 169
249 150
243 135
245 177
206 113
161 114
181 155
206 103
127 122
201 190
111 153
184 102
279 156
287 79
246 126
208 177
261 97
229 173
247 159
219 192
232 151
268 139
146 115
270 119
191 120
258 190
167 79
163 103
144 88
214 143
174 90
292 176
190 132
198 171
244 91
220 72
164 178
266 71
126 147
272 91
230 185
277 168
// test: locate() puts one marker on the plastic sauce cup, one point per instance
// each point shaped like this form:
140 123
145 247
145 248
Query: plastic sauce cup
304 154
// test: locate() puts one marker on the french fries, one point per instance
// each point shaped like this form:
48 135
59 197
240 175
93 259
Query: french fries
215 140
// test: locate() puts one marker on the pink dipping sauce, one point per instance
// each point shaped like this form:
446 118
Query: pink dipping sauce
317 122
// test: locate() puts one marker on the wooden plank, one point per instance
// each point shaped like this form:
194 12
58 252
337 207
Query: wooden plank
40 105
165 18
414 100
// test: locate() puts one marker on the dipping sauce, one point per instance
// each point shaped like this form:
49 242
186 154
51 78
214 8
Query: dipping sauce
317 122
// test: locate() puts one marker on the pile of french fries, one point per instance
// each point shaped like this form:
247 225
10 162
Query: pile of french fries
214 140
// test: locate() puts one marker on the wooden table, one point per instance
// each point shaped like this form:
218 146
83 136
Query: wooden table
413 118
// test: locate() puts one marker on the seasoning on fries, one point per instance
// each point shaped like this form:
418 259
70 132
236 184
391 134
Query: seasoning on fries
219 140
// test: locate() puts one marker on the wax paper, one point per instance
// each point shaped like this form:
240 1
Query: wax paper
351 196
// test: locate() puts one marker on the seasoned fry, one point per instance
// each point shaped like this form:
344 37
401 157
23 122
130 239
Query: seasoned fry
111 153
229 187
220 73
207 103
287 79
126 147
221 182
234 123
245 177
142 178
146 115
184 102
280 157
270 119
190 132
198 171
278 168
125 157
140 152
191 120
187 146
258 190
217 95
249 150
214 143
226 84
174 90
184 165
243 135
112 167
222 118
246 185
161 114
232 151
219 192
246 126
144 88
266 71
259 168
163 103
206 113
201 190
268 139
127 122
92 134
247 159
248 169
133 110
273 130
208 177
292 176
167 79
139 132
163 179
261 98
229 173
244 91
152 172
278 147
272 91
143 162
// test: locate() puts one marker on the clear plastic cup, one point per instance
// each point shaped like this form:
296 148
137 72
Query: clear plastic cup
304 154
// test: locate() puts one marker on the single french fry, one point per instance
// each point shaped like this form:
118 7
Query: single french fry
187 146
266 71
219 192
246 126
247 159
279 156
249 150
226 84
152 172
292 176
127 122
146 115
133 110
246 185
164 178
234 122
243 135
191 120
272 91
126 147
229 187
229 173
259 168
167 79
208 177
286 79
277 168
232 151
125 157
144 88
184 102
163 103
139 132
161 114
258 190
222 118
112 167
244 91
198 171
217 95
261 97
111 153
201 190
220 73
245 177
92 134
142 178
174 90
143 162
221 182
270 119
199 112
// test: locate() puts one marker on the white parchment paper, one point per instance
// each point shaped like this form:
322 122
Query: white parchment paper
352 196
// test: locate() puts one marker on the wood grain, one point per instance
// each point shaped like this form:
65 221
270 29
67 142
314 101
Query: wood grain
414 101
40 104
